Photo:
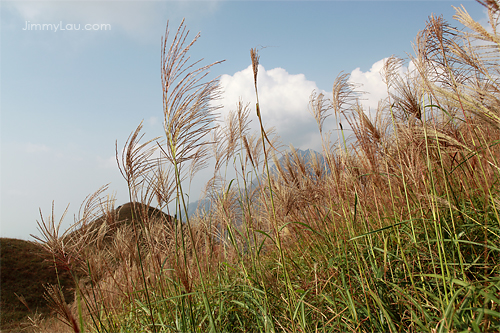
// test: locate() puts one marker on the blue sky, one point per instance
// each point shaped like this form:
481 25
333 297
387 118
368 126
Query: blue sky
66 96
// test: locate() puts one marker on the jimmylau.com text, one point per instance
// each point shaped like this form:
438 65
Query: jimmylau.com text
65 27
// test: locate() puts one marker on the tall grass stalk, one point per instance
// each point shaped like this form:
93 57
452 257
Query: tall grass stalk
393 228
292 304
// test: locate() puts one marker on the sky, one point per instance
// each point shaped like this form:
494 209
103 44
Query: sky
66 96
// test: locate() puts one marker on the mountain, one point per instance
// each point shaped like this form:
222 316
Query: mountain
304 155
25 268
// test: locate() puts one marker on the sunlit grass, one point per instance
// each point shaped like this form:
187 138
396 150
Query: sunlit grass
395 229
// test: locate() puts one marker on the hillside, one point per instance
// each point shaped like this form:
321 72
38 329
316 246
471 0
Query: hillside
26 267
121 216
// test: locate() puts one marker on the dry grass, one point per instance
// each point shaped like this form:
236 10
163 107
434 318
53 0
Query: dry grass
397 230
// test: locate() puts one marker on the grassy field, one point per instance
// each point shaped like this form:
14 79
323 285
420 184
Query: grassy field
25 268
398 230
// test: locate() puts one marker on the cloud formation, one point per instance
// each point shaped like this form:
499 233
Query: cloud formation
371 84
283 99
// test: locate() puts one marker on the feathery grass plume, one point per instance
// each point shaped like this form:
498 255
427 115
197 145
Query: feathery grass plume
368 138
163 183
227 144
247 149
227 137
85 232
479 32
344 97
297 184
443 72
243 112
268 197
189 114
73 251
399 234
216 185
254 56
136 160
187 100
319 107
253 146
491 5
136 163
235 130
405 90
225 218
56 298
106 210
473 96
68 248
52 241
345 94
479 51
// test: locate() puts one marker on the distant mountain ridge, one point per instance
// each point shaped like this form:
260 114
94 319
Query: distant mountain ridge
305 155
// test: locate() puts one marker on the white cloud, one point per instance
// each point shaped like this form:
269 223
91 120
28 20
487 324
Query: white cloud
283 99
371 84
371 81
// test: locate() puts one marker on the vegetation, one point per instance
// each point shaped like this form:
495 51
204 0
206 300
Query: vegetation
398 230
25 268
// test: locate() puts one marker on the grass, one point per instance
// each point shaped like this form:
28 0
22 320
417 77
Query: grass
398 230
25 268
